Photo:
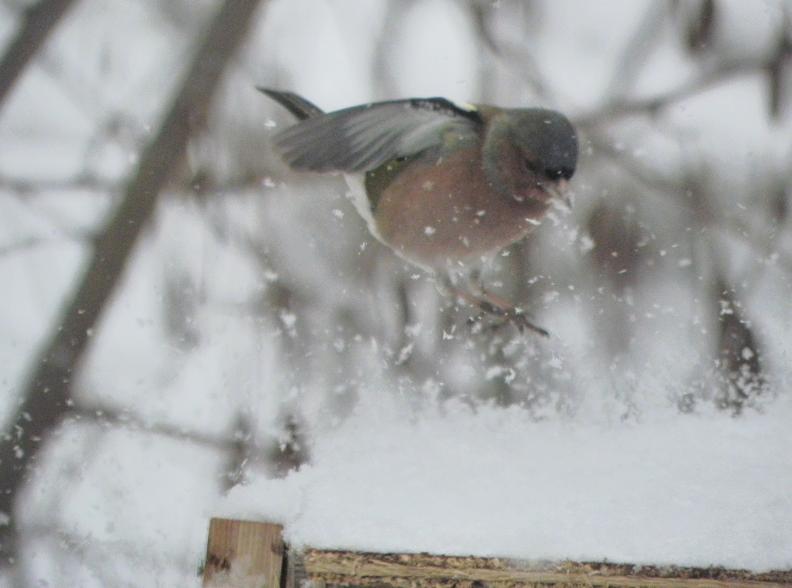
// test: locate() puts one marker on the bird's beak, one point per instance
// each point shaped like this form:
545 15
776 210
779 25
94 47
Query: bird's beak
559 194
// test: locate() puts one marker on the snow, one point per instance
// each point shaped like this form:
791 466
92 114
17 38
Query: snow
699 491
402 458
439 28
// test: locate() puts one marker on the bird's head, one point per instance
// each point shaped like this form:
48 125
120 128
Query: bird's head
530 154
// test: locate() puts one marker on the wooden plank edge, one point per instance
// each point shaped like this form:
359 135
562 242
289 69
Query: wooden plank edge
412 570
243 554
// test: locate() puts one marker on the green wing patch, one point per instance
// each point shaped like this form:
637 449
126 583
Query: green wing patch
378 179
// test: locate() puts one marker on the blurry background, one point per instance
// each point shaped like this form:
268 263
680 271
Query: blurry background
180 310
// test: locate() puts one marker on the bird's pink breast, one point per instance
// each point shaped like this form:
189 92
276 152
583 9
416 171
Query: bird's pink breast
436 214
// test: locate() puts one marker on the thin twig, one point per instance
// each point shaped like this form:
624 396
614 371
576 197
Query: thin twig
509 53
653 104
27 186
33 242
107 417
637 50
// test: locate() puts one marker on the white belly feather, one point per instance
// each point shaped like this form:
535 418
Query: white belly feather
357 194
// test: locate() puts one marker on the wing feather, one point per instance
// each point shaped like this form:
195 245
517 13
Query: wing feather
364 137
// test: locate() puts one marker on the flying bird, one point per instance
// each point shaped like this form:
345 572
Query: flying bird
444 185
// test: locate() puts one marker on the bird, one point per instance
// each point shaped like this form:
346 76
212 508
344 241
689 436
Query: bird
444 185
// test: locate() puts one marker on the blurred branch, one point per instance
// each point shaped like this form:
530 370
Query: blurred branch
514 56
629 65
30 186
653 104
33 242
240 445
88 181
779 70
240 452
46 397
637 50
83 93
290 450
37 23
774 230
110 417
700 28
602 146
381 71
674 192
738 351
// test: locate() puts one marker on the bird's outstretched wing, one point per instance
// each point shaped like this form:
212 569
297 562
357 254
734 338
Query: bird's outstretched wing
364 137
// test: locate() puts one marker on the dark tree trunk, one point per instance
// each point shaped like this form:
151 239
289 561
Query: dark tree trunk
45 398
39 20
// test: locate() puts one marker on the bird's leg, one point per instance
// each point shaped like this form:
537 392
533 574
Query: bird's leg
492 304
498 306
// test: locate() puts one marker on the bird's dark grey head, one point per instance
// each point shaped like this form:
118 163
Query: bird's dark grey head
547 140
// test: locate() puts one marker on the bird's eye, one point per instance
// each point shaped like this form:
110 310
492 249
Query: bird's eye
559 173
531 166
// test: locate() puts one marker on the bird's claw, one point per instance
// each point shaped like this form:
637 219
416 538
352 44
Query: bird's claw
522 323
513 316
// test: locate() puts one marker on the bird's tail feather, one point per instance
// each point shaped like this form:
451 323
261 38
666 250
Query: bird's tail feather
297 105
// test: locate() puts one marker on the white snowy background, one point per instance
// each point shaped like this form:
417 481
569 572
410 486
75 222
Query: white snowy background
265 358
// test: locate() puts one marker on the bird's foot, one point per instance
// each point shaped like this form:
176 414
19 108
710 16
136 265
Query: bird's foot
493 306
508 315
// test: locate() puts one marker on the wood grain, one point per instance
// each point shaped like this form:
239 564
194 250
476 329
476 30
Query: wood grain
243 554
339 568
239 547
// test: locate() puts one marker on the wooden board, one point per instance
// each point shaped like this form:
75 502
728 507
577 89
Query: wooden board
243 554
344 568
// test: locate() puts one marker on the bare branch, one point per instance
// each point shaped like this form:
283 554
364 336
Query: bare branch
33 242
39 20
25 186
510 54
109 417
653 104
637 50
673 192
46 397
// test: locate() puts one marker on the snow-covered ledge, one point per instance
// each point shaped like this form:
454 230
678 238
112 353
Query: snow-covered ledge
242 554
